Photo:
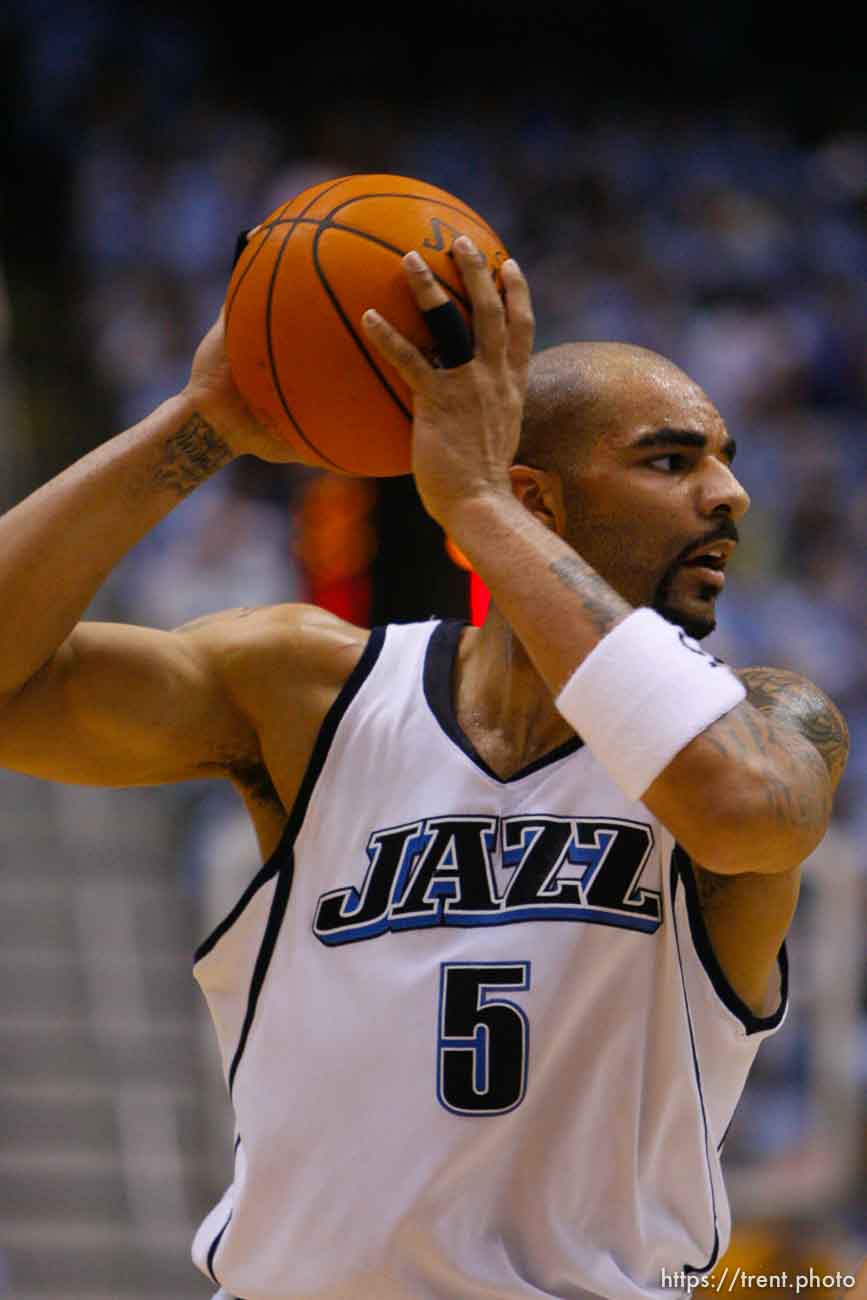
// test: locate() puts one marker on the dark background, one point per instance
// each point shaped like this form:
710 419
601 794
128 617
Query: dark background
347 83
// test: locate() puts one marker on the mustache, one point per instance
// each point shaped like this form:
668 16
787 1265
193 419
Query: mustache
726 532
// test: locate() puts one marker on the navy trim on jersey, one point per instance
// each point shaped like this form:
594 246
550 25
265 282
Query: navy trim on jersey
721 1143
285 865
281 858
214 1247
263 875
439 664
752 1023
263 960
691 1268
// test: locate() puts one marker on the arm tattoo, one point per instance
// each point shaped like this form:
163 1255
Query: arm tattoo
190 456
797 703
598 600
798 735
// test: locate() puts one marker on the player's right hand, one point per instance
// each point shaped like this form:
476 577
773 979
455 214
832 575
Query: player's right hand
213 393
467 417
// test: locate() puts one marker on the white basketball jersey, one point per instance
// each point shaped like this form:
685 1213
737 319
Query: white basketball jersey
476 1040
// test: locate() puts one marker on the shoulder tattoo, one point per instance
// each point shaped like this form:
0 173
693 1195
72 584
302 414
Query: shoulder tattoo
795 702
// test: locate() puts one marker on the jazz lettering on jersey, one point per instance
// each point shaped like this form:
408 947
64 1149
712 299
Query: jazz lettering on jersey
443 871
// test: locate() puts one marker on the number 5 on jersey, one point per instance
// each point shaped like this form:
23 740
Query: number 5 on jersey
483 1043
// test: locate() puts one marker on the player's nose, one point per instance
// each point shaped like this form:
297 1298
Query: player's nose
722 491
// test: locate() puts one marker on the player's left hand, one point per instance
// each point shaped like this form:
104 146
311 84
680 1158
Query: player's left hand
467 418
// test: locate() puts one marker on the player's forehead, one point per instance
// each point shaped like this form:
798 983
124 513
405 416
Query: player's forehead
590 401
653 400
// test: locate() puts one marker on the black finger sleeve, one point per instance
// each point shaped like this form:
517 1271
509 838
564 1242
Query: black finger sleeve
452 340
240 245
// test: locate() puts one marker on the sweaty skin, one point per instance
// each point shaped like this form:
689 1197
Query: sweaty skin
750 797
241 694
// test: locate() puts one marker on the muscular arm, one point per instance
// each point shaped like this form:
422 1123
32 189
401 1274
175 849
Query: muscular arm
224 696
100 703
780 755
58 546
751 793
800 707
791 701
118 705
91 702
748 915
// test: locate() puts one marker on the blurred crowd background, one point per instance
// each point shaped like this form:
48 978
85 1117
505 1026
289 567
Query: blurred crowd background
658 183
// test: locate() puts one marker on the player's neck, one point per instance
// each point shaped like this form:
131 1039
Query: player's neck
500 695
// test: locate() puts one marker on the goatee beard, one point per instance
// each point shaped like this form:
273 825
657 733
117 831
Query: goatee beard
700 626
696 627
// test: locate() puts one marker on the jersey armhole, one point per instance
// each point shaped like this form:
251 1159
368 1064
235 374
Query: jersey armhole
681 869
281 858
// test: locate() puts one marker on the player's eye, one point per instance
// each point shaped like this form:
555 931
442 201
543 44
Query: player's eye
674 462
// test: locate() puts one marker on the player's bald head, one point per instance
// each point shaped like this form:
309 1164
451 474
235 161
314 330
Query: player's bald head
579 391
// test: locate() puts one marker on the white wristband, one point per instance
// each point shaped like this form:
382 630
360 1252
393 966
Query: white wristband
642 694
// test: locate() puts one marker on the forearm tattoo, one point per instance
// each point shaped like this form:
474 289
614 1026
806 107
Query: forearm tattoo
799 735
190 456
599 601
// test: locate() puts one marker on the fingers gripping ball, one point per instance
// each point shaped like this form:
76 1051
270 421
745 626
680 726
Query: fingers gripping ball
294 306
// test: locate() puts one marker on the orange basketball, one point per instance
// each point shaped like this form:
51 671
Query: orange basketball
294 306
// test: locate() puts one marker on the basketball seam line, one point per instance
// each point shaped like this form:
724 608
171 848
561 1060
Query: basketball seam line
384 194
353 334
328 223
242 277
423 198
269 342
267 227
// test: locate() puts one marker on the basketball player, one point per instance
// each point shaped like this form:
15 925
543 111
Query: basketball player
487 1008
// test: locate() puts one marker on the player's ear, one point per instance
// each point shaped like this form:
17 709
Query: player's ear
541 492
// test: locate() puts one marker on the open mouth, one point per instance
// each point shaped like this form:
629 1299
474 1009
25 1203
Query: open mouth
714 578
709 561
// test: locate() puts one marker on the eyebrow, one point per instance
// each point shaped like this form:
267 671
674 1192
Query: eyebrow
666 437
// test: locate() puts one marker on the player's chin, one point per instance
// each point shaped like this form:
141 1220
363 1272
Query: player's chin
695 613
